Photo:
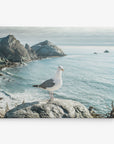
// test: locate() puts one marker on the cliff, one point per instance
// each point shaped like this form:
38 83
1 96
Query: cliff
12 50
47 49
31 52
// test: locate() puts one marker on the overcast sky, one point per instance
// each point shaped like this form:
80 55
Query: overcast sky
61 35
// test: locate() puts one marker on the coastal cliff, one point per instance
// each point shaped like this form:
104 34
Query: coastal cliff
12 52
59 108
47 49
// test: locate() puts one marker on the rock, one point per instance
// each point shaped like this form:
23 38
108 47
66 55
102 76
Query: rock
2 113
112 114
95 53
106 51
112 111
1 74
59 108
12 50
27 47
2 62
94 114
1 98
47 49
31 52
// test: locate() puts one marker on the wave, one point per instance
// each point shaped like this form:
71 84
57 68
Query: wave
96 83
3 69
5 93
8 73
13 75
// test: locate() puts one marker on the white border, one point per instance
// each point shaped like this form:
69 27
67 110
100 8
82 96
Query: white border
56 13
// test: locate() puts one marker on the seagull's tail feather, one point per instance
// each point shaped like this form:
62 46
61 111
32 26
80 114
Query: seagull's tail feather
36 86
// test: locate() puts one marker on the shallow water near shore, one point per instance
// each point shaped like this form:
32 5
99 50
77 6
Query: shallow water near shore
87 78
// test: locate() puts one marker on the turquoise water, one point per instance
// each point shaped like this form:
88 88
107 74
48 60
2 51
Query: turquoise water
87 78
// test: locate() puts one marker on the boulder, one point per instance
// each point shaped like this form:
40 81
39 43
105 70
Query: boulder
47 49
59 108
95 53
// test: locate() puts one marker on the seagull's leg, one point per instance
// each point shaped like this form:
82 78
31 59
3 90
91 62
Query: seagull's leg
51 96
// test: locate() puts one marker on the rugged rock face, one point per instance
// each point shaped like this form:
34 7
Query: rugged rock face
59 108
12 50
31 52
47 49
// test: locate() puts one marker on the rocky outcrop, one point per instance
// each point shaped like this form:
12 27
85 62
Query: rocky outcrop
3 62
95 53
31 52
47 49
59 108
12 50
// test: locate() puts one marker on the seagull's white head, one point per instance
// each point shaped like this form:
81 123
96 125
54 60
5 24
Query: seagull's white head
61 68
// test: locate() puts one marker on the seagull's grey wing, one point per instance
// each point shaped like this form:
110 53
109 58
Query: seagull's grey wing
48 83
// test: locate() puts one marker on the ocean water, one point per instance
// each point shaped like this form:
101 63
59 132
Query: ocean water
87 78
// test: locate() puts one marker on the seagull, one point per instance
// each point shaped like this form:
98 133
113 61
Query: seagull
52 84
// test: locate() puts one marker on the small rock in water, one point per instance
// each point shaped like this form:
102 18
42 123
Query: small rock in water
106 51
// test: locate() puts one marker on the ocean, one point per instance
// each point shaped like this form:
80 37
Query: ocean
87 77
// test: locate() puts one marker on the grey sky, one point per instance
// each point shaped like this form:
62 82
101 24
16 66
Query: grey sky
61 35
